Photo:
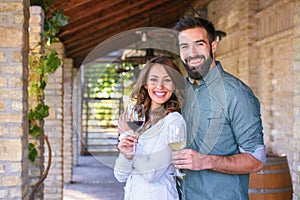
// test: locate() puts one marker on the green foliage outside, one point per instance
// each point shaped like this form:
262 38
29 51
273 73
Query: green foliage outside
108 84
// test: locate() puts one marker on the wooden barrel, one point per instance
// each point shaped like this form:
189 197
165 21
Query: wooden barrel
273 182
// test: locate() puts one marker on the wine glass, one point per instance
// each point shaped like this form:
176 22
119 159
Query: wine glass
135 118
176 141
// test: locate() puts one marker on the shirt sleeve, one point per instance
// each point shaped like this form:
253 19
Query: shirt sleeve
123 168
259 153
246 123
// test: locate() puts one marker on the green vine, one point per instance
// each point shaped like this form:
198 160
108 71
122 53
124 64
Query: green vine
41 65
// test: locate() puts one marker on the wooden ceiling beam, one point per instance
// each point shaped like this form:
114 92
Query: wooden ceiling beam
88 45
91 22
84 47
115 22
90 11
107 17
67 5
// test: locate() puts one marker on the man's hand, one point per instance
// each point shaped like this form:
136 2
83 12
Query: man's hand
189 159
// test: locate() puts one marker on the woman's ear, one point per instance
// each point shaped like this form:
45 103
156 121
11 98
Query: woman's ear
146 86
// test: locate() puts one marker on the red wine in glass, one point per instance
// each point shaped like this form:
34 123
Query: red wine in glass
135 125
135 118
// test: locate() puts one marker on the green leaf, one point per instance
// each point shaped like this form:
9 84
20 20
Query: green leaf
40 112
32 152
36 131
30 115
52 62
43 84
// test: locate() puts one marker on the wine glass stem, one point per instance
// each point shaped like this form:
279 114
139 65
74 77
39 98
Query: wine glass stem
134 146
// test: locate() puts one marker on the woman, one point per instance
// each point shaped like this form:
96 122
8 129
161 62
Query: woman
147 173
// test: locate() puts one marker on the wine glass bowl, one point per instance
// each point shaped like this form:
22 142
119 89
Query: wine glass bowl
135 118
176 141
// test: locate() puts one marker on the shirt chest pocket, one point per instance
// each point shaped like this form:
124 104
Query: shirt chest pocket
211 118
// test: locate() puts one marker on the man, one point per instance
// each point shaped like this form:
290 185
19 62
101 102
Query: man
225 138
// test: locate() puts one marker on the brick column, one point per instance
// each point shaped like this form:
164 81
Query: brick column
36 169
13 99
67 119
76 112
296 128
54 129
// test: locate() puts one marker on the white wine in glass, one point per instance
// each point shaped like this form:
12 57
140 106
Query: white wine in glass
176 141
135 118
175 146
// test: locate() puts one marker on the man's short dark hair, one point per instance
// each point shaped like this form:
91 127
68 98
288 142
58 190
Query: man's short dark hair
193 22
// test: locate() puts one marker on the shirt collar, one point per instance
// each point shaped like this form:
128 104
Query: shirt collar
213 74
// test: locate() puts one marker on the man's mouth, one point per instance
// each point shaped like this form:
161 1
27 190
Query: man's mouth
195 61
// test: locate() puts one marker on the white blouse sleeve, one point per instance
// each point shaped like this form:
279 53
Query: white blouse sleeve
123 168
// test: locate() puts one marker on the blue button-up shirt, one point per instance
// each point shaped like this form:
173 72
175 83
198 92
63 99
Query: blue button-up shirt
223 118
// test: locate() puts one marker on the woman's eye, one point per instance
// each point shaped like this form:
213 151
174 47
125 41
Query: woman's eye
167 81
153 80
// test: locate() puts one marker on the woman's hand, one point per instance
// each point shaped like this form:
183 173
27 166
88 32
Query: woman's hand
127 144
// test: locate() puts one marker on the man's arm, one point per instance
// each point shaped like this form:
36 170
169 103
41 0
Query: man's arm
236 164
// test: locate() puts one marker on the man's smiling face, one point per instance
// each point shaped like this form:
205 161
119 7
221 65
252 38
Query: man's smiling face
196 51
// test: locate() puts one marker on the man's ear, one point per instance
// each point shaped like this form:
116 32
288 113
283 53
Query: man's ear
214 46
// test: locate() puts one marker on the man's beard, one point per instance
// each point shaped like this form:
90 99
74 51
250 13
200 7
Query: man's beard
200 71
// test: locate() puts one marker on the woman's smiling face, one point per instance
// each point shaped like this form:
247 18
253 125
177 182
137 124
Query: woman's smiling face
159 85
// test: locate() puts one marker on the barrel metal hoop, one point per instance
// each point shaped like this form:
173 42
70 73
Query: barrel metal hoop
267 191
277 171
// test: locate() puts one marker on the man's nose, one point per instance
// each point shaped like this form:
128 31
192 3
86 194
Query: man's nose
192 50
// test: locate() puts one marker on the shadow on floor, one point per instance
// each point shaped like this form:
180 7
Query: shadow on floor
93 179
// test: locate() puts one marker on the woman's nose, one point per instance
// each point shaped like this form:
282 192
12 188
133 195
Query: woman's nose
159 85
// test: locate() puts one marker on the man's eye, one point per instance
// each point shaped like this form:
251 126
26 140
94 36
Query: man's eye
183 47
200 43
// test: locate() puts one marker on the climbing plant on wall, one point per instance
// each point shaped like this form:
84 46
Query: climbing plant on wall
42 63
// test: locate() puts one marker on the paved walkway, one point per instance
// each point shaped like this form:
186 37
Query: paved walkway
93 179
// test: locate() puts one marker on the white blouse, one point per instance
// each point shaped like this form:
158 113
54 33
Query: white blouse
147 175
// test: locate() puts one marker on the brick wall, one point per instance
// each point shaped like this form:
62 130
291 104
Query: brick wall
296 102
67 119
36 169
76 111
259 49
54 129
13 99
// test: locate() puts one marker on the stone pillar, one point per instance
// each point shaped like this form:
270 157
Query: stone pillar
67 119
76 112
36 26
296 128
13 99
54 130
